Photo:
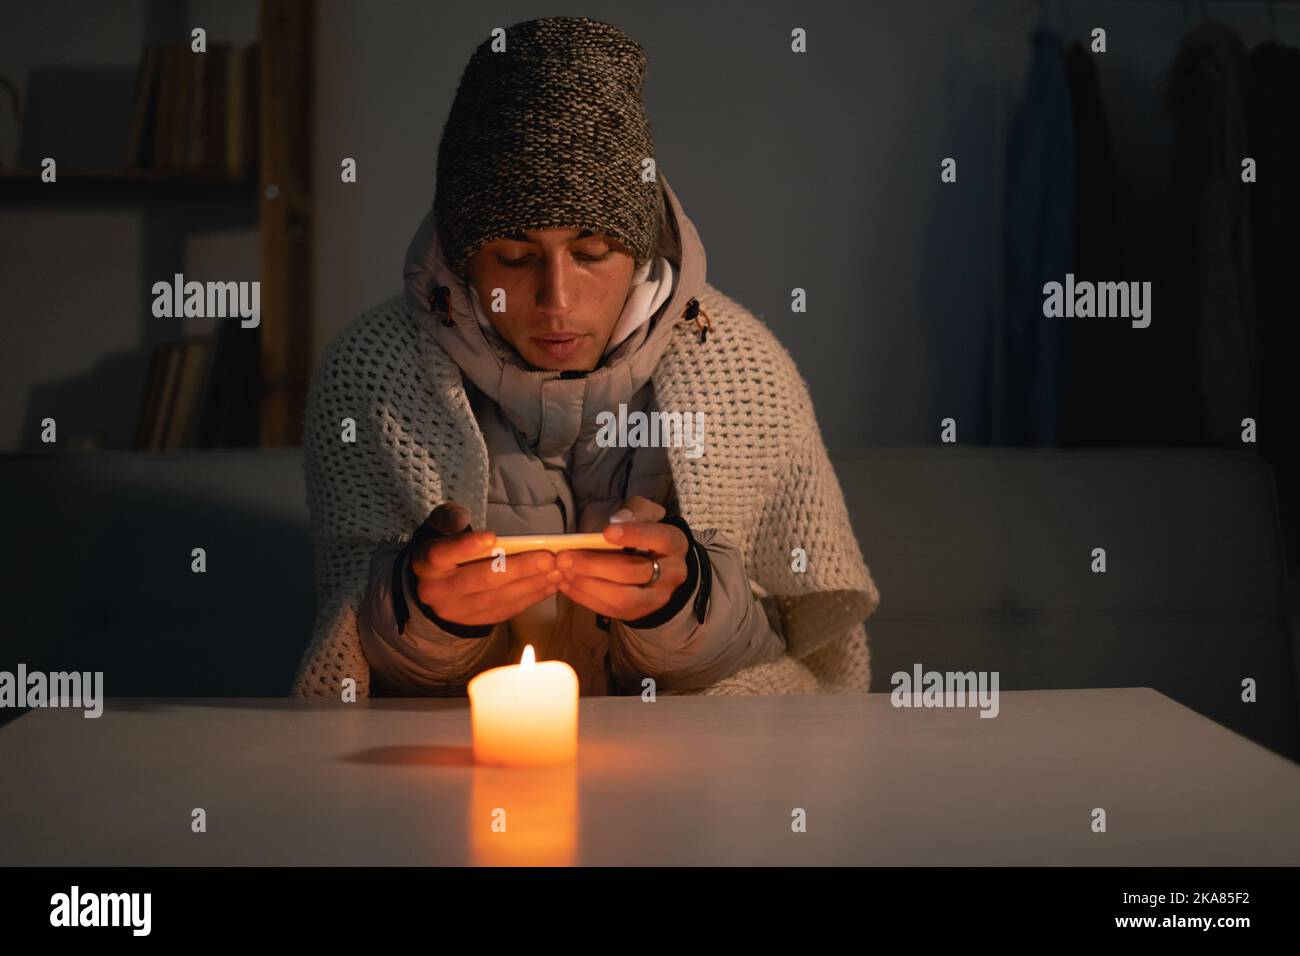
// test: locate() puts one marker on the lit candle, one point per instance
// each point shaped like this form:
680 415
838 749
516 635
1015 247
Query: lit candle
525 714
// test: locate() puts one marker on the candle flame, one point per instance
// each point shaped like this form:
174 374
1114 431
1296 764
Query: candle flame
529 658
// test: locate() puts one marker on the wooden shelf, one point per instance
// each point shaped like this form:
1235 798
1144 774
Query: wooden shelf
284 90
129 185
287 137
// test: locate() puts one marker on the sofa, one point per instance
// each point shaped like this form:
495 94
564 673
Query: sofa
984 558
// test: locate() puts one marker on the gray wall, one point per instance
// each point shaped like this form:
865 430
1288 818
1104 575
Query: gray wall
819 171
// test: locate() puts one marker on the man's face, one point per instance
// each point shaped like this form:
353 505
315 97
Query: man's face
563 289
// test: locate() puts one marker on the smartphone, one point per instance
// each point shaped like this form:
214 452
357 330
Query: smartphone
555 543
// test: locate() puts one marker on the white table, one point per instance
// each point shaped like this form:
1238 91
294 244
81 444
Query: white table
685 780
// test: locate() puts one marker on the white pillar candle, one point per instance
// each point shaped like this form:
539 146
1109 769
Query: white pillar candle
525 714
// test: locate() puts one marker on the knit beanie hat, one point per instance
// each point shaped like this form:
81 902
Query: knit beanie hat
548 133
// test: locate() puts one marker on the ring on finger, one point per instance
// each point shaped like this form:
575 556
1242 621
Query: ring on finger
654 575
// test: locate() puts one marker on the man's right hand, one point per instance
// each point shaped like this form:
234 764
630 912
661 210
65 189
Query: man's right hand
474 593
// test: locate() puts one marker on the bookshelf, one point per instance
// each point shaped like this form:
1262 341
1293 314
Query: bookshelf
127 185
259 154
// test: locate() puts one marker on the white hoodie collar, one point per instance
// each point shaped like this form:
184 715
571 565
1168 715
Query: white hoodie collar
652 284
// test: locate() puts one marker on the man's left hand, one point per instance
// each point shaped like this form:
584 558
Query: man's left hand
610 583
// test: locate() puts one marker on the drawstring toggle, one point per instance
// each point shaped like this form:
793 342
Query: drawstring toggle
699 317
441 302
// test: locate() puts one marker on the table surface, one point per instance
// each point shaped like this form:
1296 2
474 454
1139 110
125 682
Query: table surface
683 780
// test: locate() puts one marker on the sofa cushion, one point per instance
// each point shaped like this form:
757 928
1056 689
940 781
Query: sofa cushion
97 569
983 560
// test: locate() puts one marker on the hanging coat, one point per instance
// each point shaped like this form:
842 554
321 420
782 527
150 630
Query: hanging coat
1038 243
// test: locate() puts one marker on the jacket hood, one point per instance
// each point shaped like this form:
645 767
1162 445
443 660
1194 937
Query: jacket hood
437 296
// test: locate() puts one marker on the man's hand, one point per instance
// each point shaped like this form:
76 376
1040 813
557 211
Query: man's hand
609 582
474 593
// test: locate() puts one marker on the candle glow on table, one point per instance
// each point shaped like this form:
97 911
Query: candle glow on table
525 714
523 817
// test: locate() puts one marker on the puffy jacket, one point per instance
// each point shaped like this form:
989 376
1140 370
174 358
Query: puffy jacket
548 474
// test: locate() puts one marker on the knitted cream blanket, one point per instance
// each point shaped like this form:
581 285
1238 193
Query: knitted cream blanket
764 479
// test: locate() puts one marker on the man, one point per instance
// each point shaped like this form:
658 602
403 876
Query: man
552 289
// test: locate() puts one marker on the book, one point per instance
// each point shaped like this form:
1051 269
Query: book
240 99
166 93
253 107
196 110
216 80
149 399
230 412
172 355
139 150
195 353
183 77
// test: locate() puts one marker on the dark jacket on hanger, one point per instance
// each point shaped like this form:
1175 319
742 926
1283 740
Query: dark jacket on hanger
1039 233
1212 274
1274 142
